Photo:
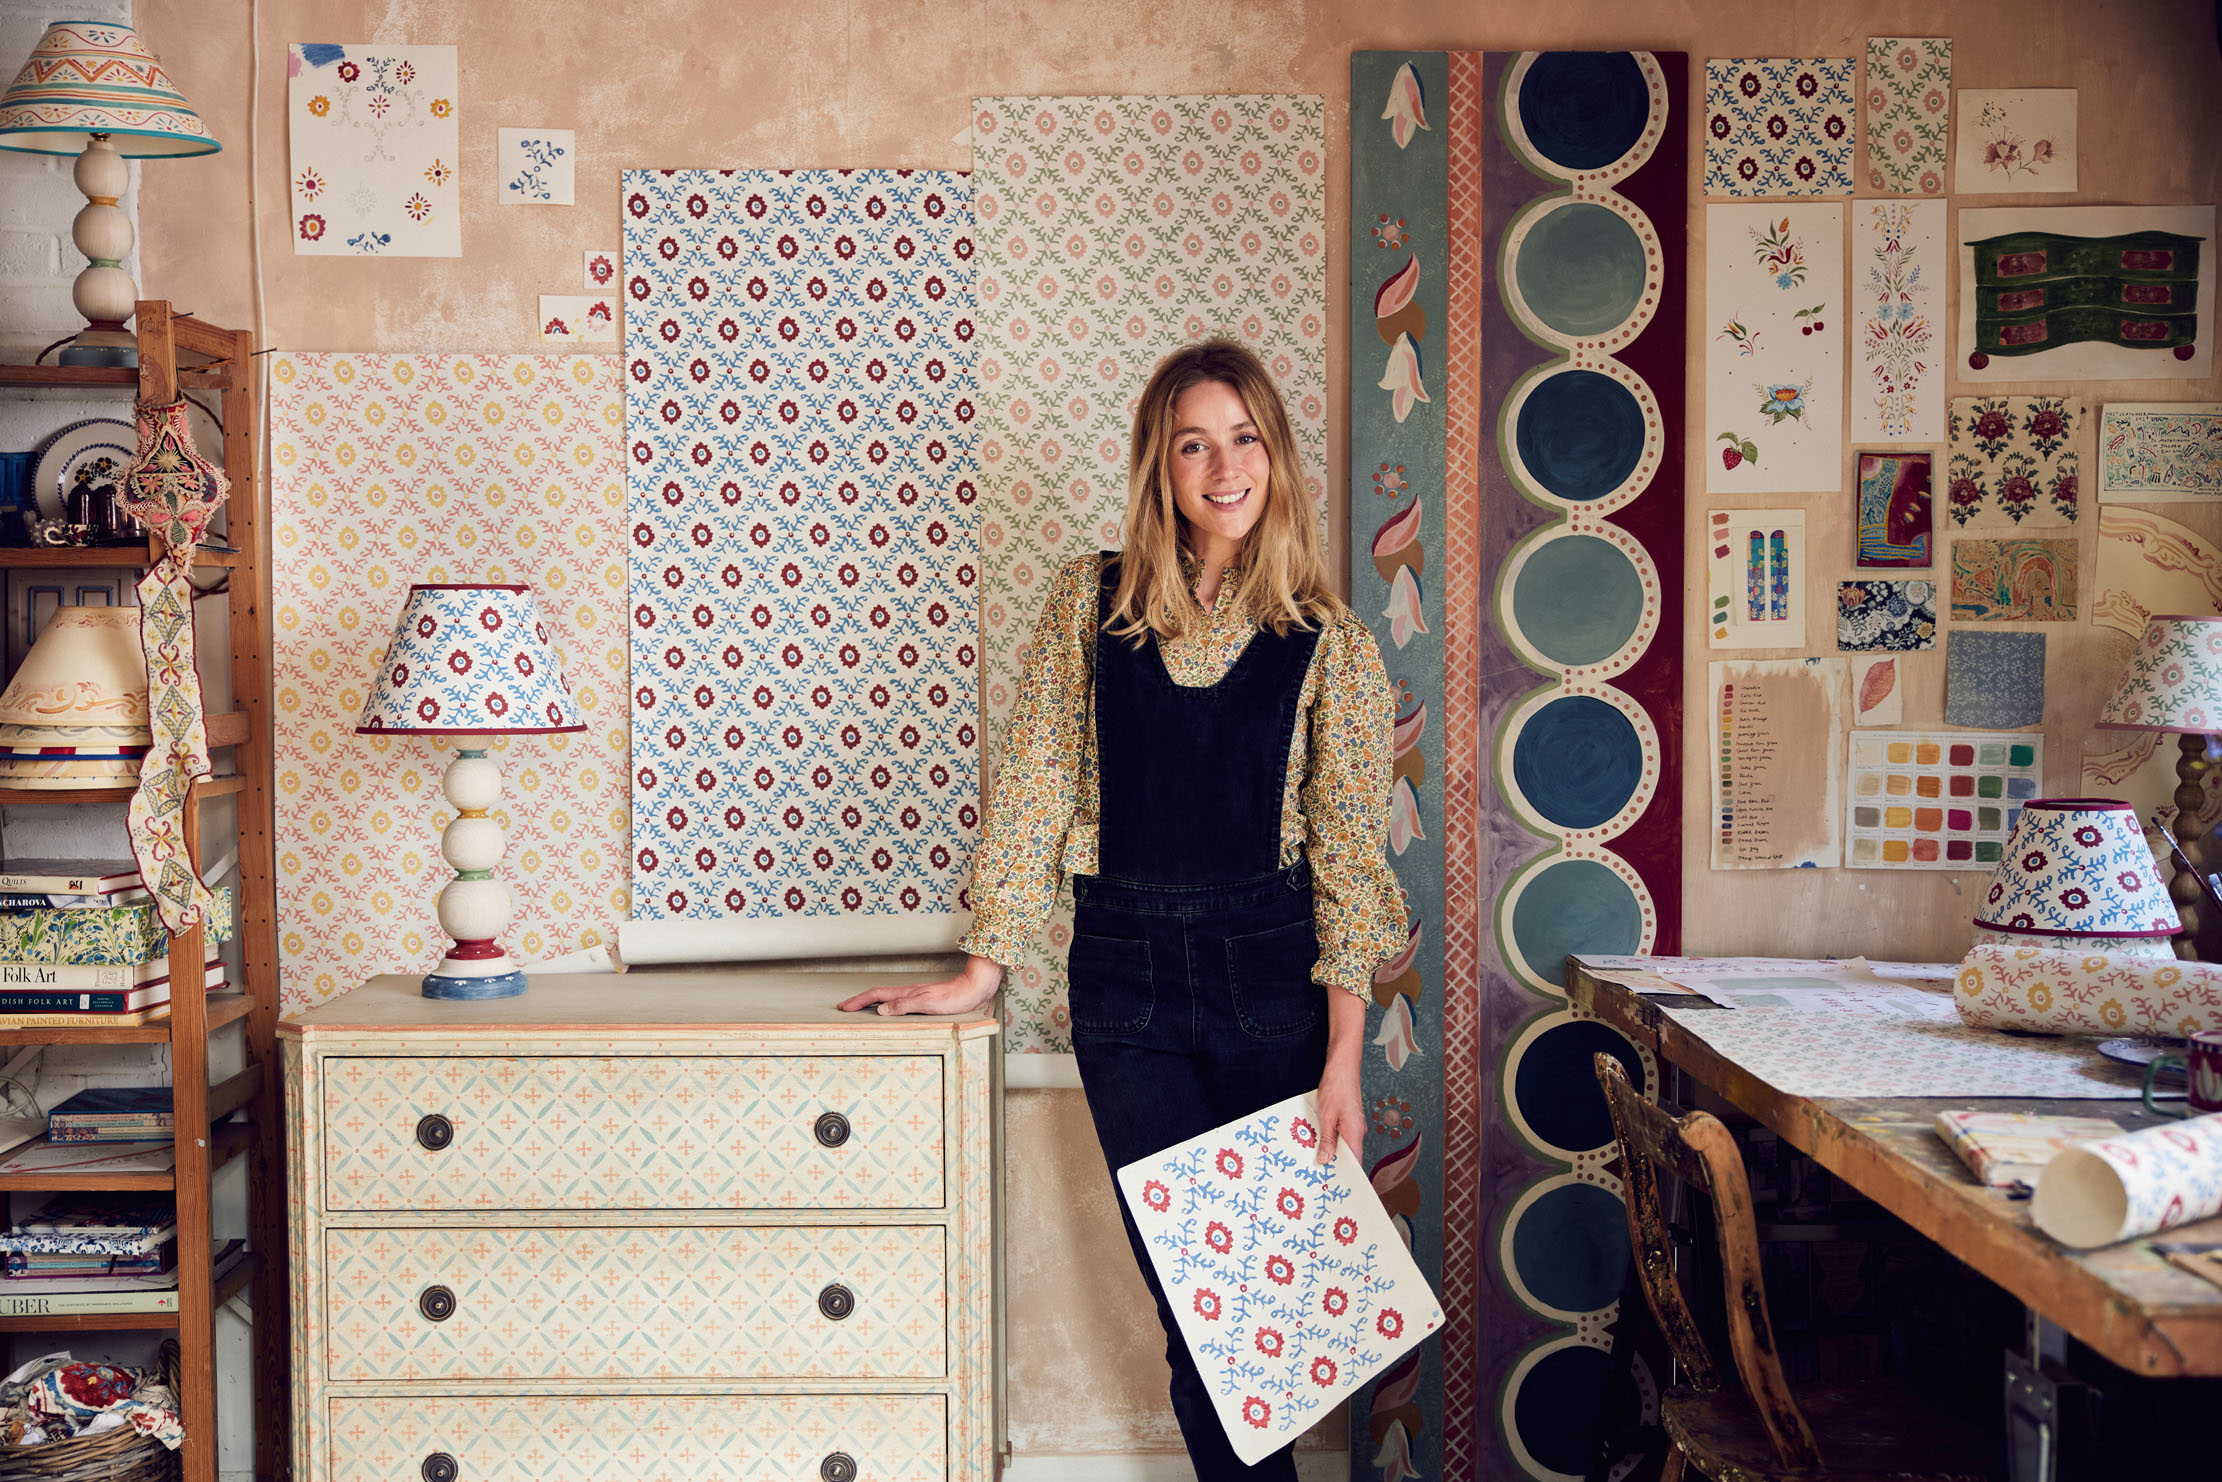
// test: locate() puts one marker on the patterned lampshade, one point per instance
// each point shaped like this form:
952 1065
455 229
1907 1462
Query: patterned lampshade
469 659
2174 679
95 77
2078 867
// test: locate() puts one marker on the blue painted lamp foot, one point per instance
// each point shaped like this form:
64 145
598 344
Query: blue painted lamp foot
501 985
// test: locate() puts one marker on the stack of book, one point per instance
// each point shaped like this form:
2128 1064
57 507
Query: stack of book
110 1114
96 1253
81 944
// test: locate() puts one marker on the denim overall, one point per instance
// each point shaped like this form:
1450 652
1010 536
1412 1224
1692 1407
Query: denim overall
1192 953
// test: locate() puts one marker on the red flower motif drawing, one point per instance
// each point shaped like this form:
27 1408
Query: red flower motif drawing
348 72
1290 1203
1305 1133
2088 837
1390 1324
1219 1237
1336 1302
312 227
2033 861
1257 1412
1323 1371
1157 1196
1269 1342
1346 1230
2074 899
1230 1163
2130 880
1279 1269
1206 1302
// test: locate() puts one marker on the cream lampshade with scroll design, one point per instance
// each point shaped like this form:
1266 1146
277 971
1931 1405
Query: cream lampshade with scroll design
2173 682
469 662
75 714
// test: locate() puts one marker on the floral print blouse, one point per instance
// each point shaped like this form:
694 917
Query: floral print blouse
1334 809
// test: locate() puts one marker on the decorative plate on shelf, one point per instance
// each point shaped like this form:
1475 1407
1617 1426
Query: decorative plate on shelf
95 451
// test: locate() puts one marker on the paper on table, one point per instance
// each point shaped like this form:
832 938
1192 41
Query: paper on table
1288 1278
1925 1053
2096 1193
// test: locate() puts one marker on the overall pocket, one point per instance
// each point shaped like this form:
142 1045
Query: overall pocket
1112 991
1269 976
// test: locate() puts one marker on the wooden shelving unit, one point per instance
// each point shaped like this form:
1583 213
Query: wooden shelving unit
179 353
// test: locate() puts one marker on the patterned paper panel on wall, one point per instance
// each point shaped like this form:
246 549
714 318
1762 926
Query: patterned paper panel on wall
1563 184
392 469
1112 230
801 494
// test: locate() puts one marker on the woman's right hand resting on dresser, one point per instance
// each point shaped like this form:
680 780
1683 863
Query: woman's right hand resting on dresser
972 987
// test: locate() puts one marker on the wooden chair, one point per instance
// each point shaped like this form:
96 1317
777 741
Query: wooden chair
1864 1431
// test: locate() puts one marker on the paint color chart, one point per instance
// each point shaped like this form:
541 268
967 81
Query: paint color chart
1920 801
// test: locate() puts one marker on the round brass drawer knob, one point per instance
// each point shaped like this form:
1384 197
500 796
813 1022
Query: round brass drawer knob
439 1467
839 1466
438 1303
832 1130
434 1132
836 1301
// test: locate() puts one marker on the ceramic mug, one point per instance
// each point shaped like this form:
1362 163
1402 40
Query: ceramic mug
2201 1059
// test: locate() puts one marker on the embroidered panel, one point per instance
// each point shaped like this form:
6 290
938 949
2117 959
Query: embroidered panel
678 1132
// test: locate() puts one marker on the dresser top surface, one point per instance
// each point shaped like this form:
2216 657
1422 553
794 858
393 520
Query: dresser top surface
739 999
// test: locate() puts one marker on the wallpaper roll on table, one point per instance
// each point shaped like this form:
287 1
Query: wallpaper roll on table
2060 992
2117 1188
642 942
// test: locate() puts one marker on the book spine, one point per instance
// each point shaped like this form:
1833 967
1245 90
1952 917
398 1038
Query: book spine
69 884
63 978
87 1021
119 1002
141 1132
70 1302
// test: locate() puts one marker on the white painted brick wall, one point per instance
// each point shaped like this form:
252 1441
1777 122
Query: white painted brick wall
38 262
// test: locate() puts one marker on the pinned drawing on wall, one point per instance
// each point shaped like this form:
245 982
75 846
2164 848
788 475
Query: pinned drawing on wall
1900 616
2139 767
2063 293
1190 216
1994 681
1937 801
2015 458
2013 581
600 275
1898 257
1907 120
2161 452
1779 126
2015 140
373 136
1755 568
1878 696
535 166
1896 514
578 318
2149 565
1774 287
1777 801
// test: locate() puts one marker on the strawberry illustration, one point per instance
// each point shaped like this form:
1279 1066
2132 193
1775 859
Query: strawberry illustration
1739 450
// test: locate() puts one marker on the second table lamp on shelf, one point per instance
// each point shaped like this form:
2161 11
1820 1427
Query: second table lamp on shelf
470 662
2173 682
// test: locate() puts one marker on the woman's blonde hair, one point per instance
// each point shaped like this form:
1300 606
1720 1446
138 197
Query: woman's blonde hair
1284 583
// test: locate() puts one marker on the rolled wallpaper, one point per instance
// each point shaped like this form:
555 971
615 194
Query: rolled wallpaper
2118 1188
2062 992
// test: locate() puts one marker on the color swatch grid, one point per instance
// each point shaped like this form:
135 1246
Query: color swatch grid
1937 802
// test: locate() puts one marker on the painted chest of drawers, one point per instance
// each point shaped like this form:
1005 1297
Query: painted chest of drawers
671 1226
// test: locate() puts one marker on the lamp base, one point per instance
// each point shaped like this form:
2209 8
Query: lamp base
77 352
501 985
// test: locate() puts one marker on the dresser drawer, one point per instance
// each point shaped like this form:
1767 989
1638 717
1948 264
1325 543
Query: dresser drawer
635 1132
631 1303
685 1438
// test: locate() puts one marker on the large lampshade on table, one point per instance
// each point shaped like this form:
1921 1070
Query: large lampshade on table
2173 682
2078 876
93 89
469 662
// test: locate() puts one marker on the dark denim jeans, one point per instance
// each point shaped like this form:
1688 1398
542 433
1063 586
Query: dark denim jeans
1193 1006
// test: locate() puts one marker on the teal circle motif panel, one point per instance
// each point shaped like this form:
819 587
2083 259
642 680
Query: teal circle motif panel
1577 599
1574 905
1584 109
1579 434
1580 269
1554 1083
1570 1247
1578 761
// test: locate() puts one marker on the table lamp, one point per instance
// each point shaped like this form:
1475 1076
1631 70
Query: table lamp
93 89
470 661
2078 875
2173 682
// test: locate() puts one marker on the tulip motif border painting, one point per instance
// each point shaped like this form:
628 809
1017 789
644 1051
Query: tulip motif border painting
1525 587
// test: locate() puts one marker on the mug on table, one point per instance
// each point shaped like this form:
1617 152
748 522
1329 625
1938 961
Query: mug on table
2201 1059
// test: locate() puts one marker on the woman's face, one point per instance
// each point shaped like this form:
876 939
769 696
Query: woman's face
1219 468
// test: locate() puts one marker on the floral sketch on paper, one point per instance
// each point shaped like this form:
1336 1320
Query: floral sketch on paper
1774 277
2019 141
537 166
1779 253
2015 457
1903 242
1908 114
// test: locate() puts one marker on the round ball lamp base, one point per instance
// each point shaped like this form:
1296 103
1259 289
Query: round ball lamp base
77 352
501 985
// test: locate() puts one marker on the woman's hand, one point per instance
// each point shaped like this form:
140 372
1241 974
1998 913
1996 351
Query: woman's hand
1342 1107
973 985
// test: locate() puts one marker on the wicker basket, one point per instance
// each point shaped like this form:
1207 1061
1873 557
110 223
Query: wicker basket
120 1455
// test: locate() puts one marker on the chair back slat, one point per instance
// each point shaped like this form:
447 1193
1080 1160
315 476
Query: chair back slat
1702 1152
